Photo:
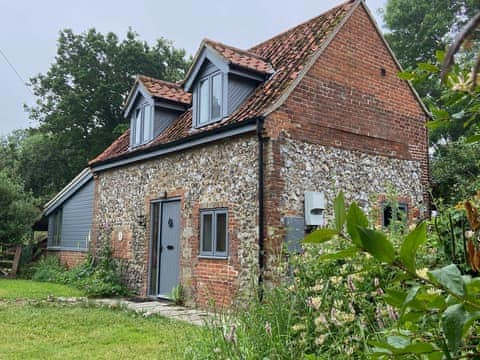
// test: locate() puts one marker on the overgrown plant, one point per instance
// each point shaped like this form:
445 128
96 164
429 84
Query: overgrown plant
96 277
177 295
438 310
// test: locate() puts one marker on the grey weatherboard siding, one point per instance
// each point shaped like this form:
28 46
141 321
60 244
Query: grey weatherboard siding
76 220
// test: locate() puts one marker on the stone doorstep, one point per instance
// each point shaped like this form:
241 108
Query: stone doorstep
167 310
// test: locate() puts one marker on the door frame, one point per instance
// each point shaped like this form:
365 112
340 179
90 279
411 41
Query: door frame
160 203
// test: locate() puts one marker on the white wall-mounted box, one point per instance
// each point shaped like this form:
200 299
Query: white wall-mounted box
314 208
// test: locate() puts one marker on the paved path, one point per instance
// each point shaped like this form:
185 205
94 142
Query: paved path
162 308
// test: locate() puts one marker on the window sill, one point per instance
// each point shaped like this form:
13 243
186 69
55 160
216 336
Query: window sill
201 125
59 248
212 257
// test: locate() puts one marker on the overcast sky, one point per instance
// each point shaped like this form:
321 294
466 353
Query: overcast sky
29 31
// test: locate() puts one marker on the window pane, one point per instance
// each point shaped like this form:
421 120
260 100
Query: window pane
203 102
216 96
221 233
138 127
207 232
57 232
147 123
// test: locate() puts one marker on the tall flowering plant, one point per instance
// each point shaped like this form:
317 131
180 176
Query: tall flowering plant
436 311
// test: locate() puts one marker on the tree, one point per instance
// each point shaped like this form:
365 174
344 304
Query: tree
18 211
79 105
455 171
417 28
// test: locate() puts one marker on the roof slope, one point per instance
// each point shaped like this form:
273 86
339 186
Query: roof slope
288 53
70 189
165 90
240 58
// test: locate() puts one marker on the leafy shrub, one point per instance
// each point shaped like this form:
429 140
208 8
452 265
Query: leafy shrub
101 278
438 310
96 277
48 269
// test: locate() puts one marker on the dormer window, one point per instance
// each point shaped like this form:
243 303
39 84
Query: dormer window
209 99
142 124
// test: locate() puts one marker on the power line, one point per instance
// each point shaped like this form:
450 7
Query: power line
15 71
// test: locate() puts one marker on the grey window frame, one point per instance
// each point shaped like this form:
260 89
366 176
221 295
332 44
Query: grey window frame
401 206
209 78
214 253
133 128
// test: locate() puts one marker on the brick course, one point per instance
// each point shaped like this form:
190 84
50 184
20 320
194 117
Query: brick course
69 258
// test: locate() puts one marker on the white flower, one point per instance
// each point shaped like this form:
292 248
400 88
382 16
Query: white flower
320 340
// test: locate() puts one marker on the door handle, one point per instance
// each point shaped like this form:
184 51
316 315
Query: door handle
169 247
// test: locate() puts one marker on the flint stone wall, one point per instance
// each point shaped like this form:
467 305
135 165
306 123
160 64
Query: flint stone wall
223 174
364 178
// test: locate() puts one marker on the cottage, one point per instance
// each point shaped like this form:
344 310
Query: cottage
218 171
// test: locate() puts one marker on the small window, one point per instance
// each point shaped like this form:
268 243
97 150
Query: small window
388 214
214 233
142 125
209 99
57 228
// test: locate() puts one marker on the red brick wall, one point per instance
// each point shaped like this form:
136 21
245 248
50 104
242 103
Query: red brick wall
215 281
344 101
69 258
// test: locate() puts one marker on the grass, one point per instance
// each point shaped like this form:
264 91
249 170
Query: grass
56 331
60 332
26 289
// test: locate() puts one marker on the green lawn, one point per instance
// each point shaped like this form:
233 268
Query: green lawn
55 331
26 289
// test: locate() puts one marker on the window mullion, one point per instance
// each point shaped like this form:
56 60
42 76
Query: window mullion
214 233
210 94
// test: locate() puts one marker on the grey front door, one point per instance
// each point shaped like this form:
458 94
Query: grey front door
169 247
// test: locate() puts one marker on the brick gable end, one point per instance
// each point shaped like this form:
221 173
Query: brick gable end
345 101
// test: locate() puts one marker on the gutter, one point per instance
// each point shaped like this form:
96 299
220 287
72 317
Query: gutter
261 205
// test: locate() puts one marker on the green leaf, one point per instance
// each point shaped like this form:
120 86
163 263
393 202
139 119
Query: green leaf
398 342
355 217
412 293
339 208
473 286
472 139
439 114
419 348
449 277
453 320
320 236
408 251
440 56
431 301
437 355
376 244
395 298
435 124
406 75
428 67
343 254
